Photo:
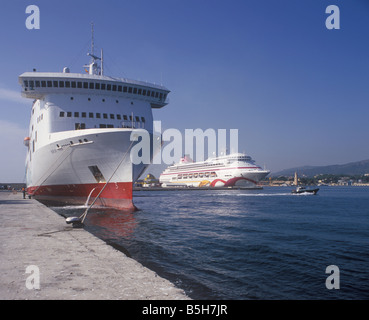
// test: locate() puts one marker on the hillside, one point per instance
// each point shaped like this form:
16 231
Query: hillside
352 168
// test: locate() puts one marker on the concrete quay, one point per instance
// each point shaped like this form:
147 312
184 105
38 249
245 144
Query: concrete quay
72 263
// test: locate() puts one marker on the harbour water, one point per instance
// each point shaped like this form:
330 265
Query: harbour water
237 244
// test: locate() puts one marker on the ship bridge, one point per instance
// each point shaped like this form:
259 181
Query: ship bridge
36 85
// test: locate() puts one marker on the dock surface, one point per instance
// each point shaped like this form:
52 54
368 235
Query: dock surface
72 263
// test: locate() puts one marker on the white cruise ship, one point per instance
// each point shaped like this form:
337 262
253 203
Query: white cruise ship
79 135
234 170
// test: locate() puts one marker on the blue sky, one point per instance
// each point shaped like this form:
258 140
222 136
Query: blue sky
297 92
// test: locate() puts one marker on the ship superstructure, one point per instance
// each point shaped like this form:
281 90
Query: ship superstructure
79 134
233 170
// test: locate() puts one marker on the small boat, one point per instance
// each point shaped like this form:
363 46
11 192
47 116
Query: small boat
304 190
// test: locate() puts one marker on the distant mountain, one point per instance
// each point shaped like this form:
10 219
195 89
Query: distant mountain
352 168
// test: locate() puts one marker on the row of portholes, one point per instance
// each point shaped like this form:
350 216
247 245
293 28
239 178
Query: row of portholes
103 100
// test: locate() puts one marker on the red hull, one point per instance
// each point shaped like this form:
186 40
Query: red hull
116 194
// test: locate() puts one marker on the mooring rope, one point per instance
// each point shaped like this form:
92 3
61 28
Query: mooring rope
83 216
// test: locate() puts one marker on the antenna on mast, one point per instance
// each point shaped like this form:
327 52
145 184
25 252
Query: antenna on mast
92 38
93 68
102 62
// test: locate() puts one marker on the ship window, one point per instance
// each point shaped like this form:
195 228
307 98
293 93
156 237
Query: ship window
97 86
85 85
108 87
37 84
89 99
103 100
110 126
148 93
83 114
135 90
102 125
91 115
139 91
73 84
61 84
55 84
130 118
156 94
119 117
103 86
161 96
79 84
152 93
137 118
25 83
124 89
114 88
116 101
112 116
129 90
105 115
98 115
125 117
43 84
76 114
61 114
78 126
120 88
71 98
69 114
143 119
144 92
67 84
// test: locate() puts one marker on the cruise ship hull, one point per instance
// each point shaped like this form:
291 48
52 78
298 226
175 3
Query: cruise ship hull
236 170
245 180
84 164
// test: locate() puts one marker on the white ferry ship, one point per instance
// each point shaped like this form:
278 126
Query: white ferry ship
79 134
233 170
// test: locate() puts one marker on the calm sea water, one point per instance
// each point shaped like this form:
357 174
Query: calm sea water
257 244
